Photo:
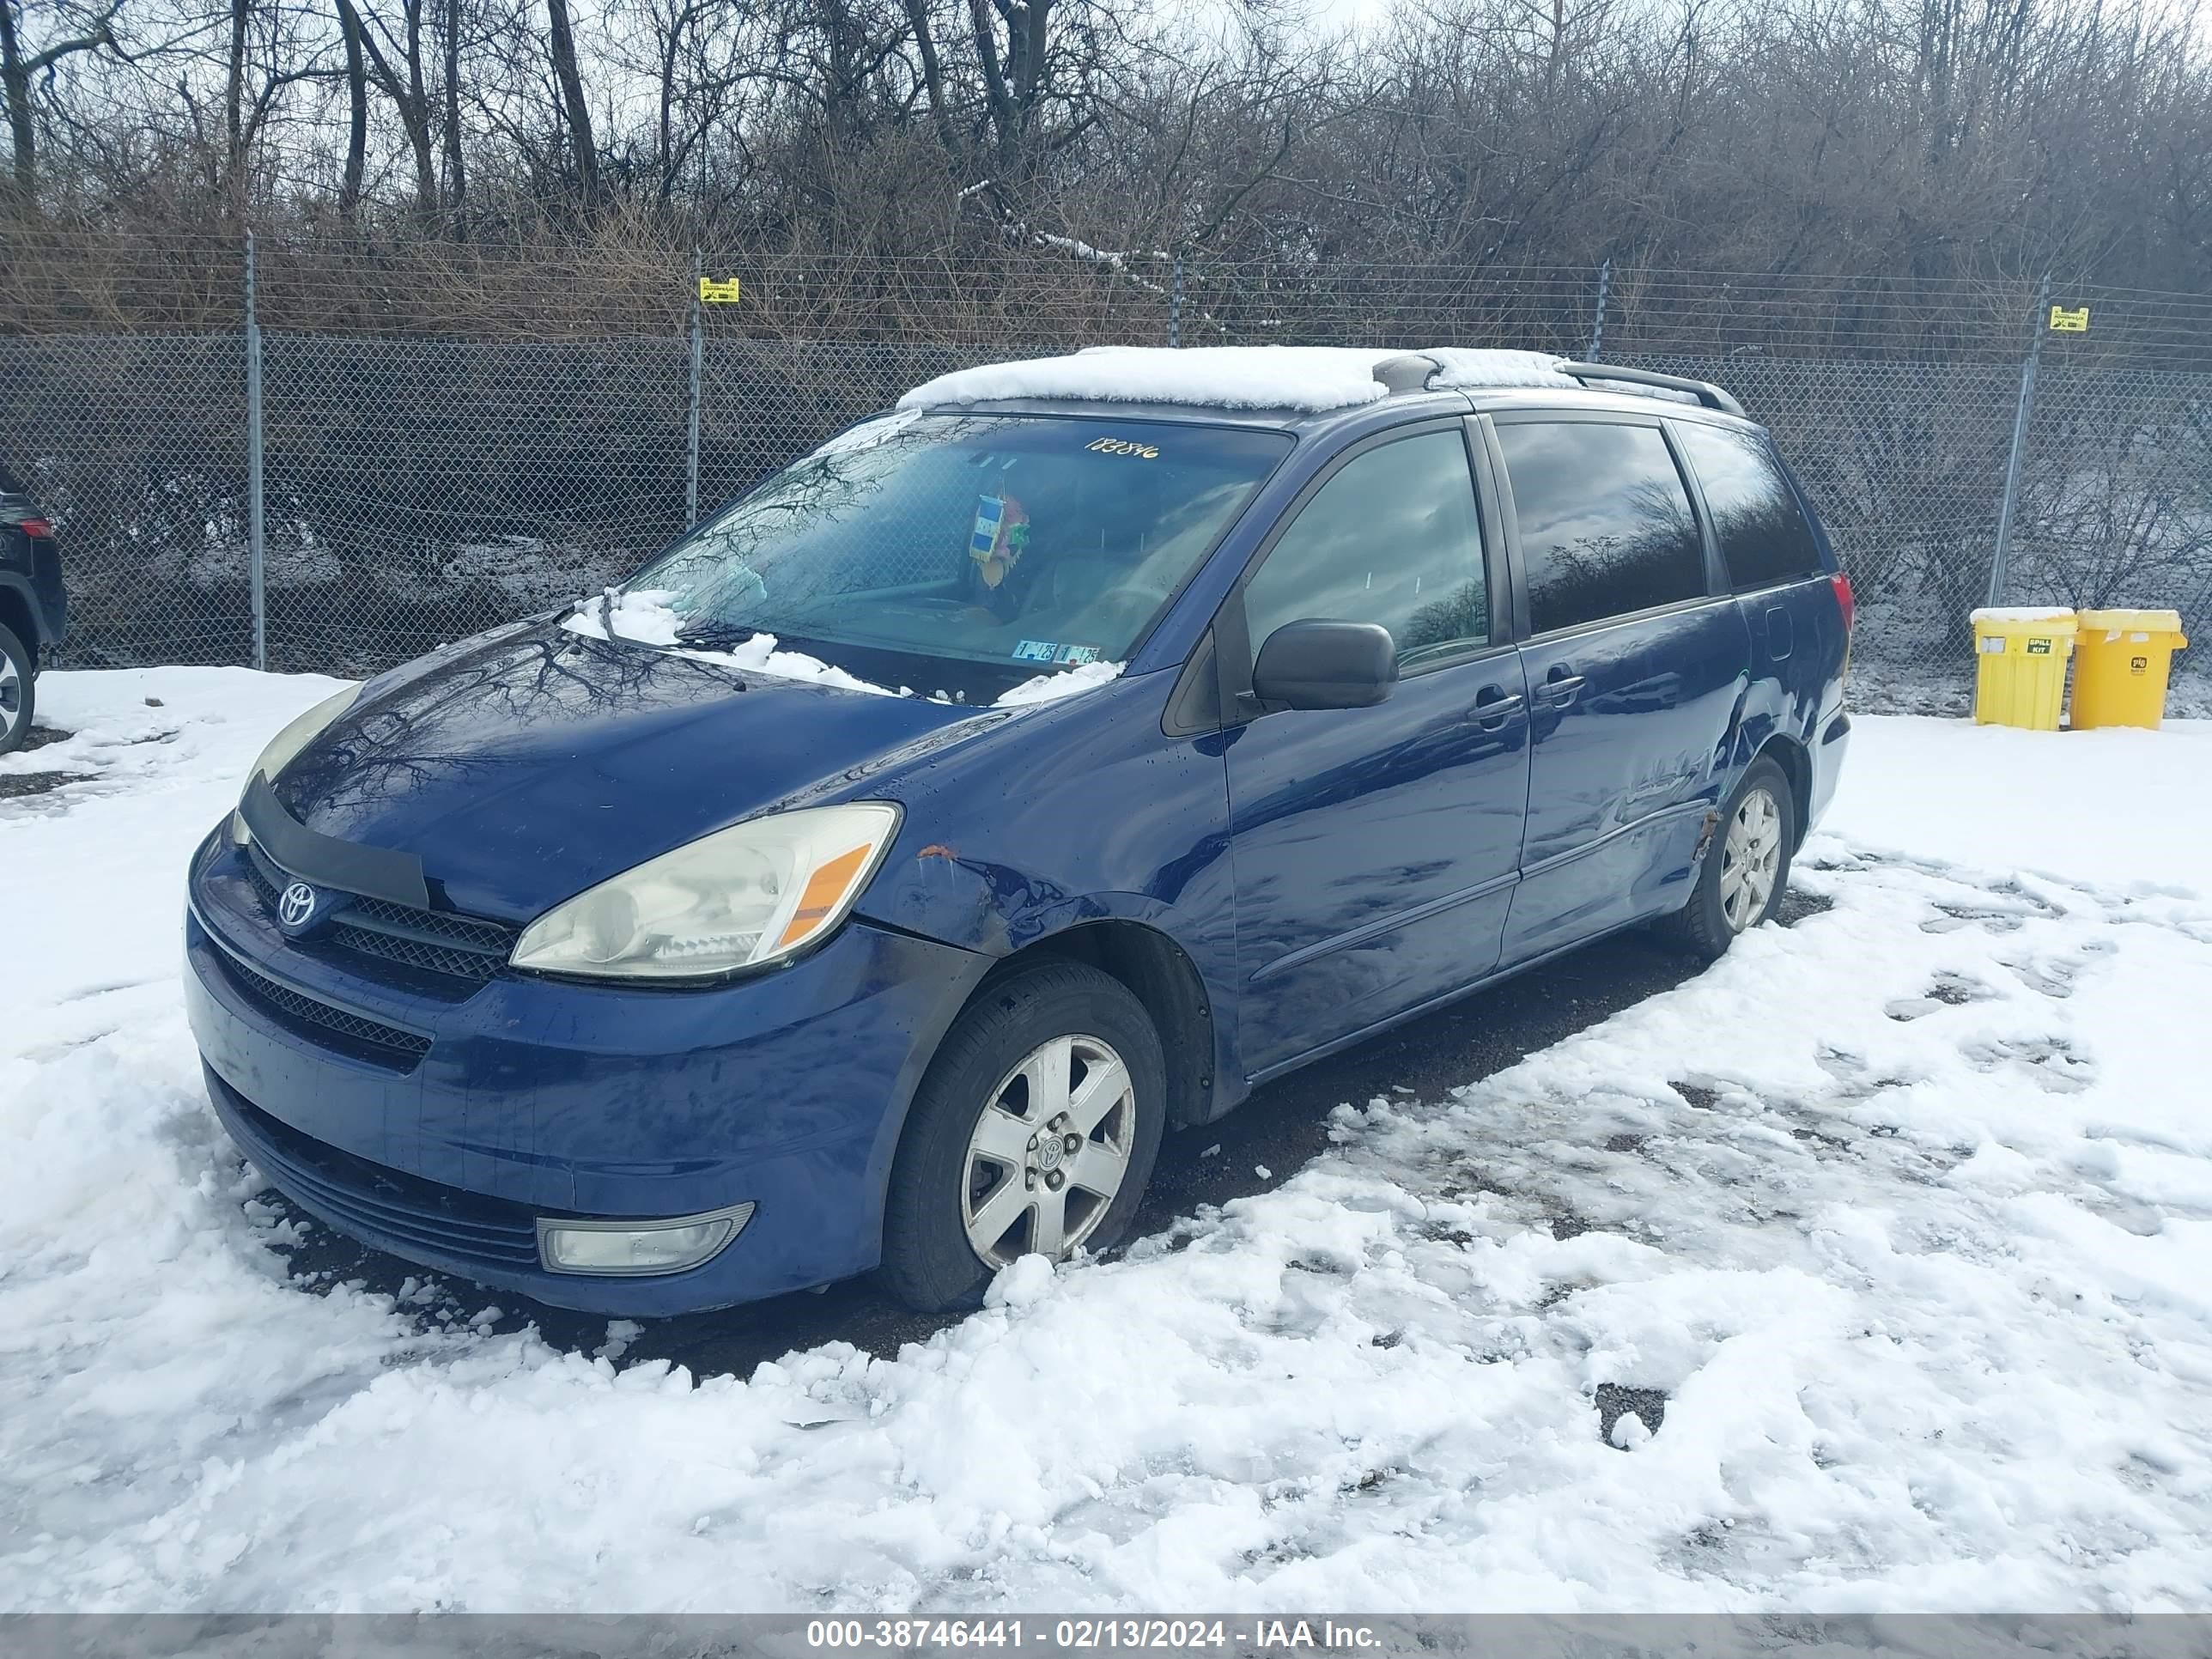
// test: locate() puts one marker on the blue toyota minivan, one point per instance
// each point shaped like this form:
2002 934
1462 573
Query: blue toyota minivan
869 882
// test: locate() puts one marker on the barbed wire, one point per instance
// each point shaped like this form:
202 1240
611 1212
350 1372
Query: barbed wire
991 292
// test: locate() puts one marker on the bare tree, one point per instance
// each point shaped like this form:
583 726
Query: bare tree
393 46
70 29
574 110
357 84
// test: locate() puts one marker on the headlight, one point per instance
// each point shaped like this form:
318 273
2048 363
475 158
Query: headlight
301 733
741 897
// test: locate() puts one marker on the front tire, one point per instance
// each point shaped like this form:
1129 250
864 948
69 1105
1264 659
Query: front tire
18 692
1034 1131
1747 867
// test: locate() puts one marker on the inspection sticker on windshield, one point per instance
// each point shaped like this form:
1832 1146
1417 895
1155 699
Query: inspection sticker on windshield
1053 651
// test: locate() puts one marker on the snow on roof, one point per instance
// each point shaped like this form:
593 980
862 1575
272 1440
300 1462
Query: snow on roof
1308 377
1462 369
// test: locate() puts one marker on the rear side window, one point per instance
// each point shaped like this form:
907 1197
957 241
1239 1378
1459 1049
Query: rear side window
1605 526
1391 538
1762 531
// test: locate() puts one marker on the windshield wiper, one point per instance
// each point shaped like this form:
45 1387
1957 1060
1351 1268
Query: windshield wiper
715 636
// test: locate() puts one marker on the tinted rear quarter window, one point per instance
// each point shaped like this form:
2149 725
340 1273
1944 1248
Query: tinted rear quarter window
1605 526
1763 533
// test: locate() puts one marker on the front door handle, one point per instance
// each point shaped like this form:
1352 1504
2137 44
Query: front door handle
1560 689
1493 706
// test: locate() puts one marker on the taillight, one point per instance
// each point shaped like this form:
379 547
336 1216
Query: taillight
36 527
1844 603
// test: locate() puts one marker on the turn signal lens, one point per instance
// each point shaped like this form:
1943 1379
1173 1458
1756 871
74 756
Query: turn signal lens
823 894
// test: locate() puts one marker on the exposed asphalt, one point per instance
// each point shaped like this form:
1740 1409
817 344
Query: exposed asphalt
16 784
1281 1127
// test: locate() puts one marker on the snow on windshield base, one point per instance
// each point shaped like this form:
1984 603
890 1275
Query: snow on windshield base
1308 377
644 616
1068 682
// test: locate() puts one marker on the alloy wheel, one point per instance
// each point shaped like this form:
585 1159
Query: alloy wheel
1751 856
11 698
1049 1152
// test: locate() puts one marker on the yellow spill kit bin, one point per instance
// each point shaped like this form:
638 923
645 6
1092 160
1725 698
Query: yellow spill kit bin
2125 656
2019 666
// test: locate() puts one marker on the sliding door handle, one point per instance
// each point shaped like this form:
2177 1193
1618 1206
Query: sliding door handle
1492 713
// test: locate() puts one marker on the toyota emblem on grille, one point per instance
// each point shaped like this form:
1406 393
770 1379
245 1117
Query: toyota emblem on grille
295 905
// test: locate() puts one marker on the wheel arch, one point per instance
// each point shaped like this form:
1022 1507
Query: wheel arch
17 616
1796 764
1156 970
1160 975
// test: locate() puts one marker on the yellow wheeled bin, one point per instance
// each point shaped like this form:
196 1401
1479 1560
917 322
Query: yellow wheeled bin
2019 666
2119 678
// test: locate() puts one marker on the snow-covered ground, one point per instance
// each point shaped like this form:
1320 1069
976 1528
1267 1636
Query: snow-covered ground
1870 1269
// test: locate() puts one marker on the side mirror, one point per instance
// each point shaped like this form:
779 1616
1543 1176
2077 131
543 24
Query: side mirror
1326 665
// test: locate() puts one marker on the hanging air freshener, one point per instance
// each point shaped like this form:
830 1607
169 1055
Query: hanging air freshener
1002 531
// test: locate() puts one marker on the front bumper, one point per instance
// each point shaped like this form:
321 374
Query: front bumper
438 1121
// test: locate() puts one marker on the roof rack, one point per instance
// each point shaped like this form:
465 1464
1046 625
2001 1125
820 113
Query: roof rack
1407 374
1703 391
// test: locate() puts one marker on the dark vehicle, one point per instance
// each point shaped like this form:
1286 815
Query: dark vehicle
650 957
34 609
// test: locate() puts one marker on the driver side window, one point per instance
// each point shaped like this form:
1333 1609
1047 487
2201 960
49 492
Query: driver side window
1394 538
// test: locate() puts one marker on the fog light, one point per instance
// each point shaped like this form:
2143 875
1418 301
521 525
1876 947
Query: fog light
637 1247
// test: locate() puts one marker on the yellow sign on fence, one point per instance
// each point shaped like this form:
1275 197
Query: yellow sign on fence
2063 321
714 293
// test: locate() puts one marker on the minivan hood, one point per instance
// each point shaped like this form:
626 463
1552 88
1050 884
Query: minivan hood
523 770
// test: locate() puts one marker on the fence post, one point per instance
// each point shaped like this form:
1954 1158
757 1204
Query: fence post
1597 325
255 547
2019 421
691 440
1174 305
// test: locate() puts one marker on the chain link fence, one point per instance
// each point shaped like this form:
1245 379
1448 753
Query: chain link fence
418 487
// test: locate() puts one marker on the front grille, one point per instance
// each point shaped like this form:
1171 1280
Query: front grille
387 1044
486 938
460 947
357 1195
434 958
263 874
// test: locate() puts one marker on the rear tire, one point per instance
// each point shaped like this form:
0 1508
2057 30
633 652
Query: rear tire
1747 864
18 692
1034 1129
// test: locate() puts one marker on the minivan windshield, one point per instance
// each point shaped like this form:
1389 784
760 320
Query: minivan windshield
1021 542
